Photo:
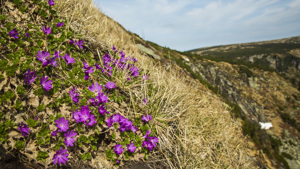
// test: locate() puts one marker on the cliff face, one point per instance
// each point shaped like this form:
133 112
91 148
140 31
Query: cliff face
263 83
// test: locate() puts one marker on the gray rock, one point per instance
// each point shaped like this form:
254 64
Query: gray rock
148 51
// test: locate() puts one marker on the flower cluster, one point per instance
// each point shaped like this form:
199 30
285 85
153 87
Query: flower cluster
112 65
84 115
125 124
149 142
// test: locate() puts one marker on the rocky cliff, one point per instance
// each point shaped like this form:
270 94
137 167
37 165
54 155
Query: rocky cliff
263 83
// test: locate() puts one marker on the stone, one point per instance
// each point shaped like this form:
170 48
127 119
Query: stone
148 51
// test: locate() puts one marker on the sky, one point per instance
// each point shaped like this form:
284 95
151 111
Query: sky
189 24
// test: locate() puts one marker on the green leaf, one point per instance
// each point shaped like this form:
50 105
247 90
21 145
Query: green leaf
42 156
18 105
3 64
41 107
9 123
32 122
40 92
21 90
86 156
94 148
19 144
40 141
109 154
146 156
7 96
13 46
132 135
113 136
58 145
39 42
84 139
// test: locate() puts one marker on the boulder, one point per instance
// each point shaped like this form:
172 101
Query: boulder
148 51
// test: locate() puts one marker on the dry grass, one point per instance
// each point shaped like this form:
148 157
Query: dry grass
194 126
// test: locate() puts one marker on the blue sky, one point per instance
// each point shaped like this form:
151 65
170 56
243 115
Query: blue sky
190 24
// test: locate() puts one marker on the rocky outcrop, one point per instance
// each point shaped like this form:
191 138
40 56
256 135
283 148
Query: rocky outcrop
262 96
148 52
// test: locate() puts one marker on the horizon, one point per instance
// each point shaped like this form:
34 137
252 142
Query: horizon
189 24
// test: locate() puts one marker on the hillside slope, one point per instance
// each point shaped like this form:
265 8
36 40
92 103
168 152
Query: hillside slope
194 126
261 82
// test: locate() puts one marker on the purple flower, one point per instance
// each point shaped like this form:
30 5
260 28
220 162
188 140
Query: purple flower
109 122
14 33
60 157
52 61
145 77
68 59
92 120
69 138
114 49
97 66
30 76
102 110
51 2
122 54
134 129
125 124
27 35
59 24
96 88
148 145
86 76
116 118
88 70
106 59
118 161
85 114
46 84
95 101
131 147
135 60
147 118
74 95
24 129
153 140
71 42
56 54
135 72
147 134
43 57
110 85
76 115
46 30
118 149
54 133
62 124
145 101
79 43
102 98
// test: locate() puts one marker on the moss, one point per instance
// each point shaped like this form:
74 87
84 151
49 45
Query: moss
21 90
7 96
41 107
